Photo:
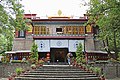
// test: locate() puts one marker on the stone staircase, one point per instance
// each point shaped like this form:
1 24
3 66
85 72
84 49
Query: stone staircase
57 72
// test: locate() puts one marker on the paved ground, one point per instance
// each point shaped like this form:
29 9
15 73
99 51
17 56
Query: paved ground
114 79
3 78
106 79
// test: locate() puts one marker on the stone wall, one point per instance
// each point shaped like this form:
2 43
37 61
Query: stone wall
89 43
22 44
6 69
111 70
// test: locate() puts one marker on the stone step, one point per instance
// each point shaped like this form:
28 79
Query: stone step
58 76
56 69
59 71
57 66
31 78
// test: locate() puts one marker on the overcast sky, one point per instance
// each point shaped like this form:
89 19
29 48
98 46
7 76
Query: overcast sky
51 7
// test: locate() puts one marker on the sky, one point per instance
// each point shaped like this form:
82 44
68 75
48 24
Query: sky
50 7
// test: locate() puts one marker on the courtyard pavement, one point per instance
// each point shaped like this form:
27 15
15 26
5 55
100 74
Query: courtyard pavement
106 79
3 78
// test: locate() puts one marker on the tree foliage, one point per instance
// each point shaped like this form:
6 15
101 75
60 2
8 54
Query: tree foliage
79 54
11 18
34 52
106 14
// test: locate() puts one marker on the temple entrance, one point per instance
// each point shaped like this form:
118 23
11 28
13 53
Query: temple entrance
58 54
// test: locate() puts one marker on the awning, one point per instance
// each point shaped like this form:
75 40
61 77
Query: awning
20 51
103 52
10 52
23 51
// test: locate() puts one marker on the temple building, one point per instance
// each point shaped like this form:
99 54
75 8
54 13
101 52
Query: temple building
57 35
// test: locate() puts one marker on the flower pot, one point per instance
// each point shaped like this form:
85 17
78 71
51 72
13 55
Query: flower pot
41 65
10 78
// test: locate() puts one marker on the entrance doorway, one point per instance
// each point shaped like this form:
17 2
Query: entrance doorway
58 54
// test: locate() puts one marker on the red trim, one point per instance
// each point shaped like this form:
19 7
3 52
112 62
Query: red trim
29 16
58 37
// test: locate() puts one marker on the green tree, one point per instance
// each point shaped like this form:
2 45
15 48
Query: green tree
105 14
79 54
11 18
34 53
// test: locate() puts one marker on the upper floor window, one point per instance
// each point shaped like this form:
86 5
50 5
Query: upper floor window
41 30
58 29
21 34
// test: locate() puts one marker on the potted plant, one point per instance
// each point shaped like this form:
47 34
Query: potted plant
91 69
33 66
23 70
97 70
41 62
13 74
10 77
27 69
18 71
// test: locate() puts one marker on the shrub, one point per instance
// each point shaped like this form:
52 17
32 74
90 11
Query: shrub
18 71
16 61
79 54
118 56
112 60
97 70
41 61
33 66
34 53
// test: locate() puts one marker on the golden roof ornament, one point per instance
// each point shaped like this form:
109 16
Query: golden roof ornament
59 12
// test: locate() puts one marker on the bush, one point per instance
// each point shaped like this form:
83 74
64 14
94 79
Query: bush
79 54
118 56
33 66
16 61
18 71
5 59
41 61
34 53
112 60
97 70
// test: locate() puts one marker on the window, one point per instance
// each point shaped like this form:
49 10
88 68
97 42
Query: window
81 30
21 34
41 30
58 29
69 29
75 30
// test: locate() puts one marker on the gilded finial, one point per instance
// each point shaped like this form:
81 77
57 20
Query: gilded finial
59 12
